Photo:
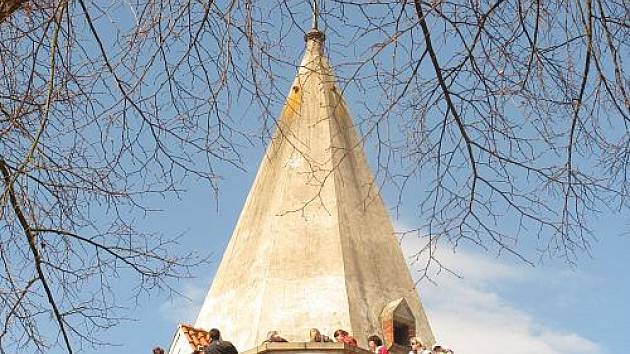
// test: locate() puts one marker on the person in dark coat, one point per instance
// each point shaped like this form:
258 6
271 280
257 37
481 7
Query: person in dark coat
217 345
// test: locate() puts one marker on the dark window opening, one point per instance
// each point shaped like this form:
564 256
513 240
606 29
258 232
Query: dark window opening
401 334
399 324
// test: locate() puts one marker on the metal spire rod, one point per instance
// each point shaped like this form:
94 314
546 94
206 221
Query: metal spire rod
314 33
315 9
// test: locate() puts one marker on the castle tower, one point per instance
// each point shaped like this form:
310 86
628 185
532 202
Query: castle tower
314 245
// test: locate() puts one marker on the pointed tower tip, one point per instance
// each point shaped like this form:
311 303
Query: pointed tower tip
315 34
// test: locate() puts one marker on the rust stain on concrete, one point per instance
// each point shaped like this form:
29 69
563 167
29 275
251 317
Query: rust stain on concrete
294 103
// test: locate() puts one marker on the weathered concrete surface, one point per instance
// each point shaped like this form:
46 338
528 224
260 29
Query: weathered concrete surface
314 245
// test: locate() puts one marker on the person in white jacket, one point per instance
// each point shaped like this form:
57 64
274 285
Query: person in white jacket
417 347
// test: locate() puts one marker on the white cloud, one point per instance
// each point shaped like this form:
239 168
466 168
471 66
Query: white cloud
470 316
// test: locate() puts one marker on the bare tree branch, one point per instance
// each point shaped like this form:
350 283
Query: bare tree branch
8 7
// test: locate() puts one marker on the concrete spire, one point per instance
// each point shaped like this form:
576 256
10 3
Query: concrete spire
314 245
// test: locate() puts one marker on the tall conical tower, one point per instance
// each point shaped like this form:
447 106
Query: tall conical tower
314 245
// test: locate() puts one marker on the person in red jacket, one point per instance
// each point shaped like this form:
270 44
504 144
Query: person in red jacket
375 344
342 336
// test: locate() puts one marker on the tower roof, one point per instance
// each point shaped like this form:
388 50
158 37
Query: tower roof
314 245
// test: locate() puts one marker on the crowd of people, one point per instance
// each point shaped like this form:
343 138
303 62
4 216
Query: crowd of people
375 343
